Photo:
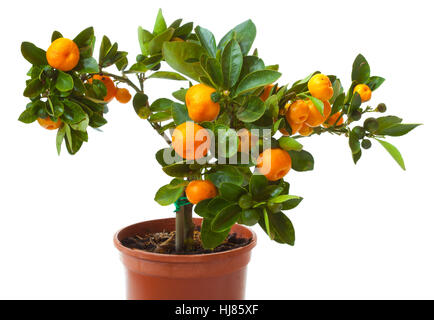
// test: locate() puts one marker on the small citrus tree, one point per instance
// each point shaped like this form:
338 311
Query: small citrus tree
234 135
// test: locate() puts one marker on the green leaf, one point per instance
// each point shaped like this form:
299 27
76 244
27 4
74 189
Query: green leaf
144 37
216 205
180 113
249 217
356 102
209 238
226 174
252 111
301 160
64 82
56 35
291 204
393 151
73 113
97 121
256 80
82 125
375 82
232 62
177 55
227 141
33 54
288 144
201 208
104 48
183 31
397 130
180 94
267 223
338 104
251 64
85 41
226 218
357 156
59 138
162 104
207 40
167 75
386 122
178 170
87 65
156 44
354 142
361 70
317 102
282 226
230 191
214 70
257 185
160 116
168 194
282 198
160 23
243 33
31 113
337 90
33 89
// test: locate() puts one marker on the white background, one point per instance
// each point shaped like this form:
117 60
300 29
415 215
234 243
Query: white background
363 231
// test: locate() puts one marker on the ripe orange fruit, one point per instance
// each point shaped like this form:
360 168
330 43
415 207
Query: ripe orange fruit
111 88
294 128
49 124
63 54
274 164
123 95
246 140
315 118
298 112
199 190
305 130
191 141
266 93
332 120
364 92
320 87
199 104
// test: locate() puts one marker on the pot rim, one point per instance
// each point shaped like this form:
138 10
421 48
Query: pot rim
182 258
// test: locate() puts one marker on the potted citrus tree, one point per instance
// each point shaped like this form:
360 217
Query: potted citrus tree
232 133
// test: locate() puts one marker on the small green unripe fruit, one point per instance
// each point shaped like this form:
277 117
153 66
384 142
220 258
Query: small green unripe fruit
366 144
274 207
371 124
245 201
381 108
359 132
356 115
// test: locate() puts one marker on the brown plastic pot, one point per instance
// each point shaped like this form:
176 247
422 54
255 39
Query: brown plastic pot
154 276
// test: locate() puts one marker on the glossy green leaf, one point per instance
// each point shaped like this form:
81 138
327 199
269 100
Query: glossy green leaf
397 130
207 40
156 44
256 80
33 54
375 82
64 82
361 70
33 89
226 218
168 194
244 34
282 226
160 24
167 75
394 152
180 113
230 191
209 238
288 144
252 111
226 174
257 185
232 62
301 160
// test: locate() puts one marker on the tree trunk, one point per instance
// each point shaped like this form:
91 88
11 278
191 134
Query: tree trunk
184 228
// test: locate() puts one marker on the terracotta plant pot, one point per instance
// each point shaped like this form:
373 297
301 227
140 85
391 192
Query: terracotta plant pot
154 276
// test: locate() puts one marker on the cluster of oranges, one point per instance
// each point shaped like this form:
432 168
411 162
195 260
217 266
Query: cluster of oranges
64 55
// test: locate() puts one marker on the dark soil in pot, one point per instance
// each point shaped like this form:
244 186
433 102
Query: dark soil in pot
164 242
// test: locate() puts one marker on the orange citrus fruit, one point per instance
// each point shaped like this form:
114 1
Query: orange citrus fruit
191 141
63 54
110 86
49 124
123 95
320 87
266 93
305 130
364 92
332 120
200 105
315 118
298 112
199 190
274 164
